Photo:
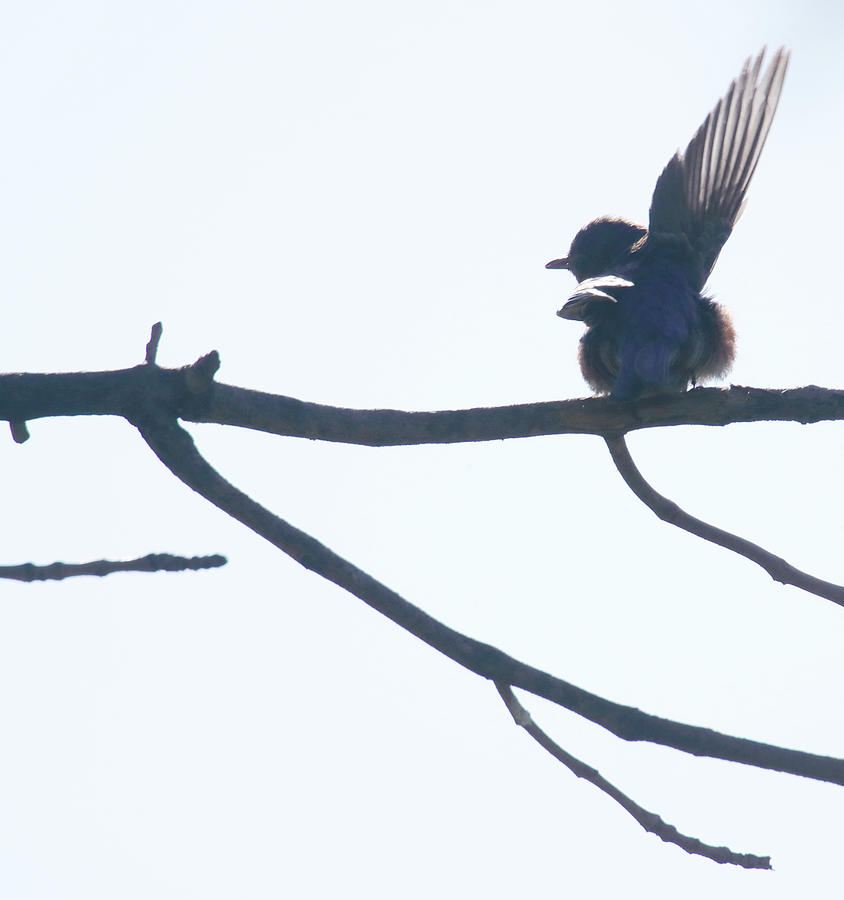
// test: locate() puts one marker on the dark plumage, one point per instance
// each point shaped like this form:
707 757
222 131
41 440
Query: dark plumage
649 328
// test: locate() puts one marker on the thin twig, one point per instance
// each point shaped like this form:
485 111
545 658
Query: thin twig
668 511
651 822
175 448
154 562
152 345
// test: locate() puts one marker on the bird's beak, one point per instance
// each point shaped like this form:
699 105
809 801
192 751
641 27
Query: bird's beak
557 264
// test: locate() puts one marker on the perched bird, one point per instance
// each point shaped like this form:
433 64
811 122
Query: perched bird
649 329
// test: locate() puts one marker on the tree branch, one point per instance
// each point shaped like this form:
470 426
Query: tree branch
592 415
668 511
191 393
154 562
32 396
651 822
175 448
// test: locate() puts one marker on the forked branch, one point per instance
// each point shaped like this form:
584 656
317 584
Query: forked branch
651 822
176 449
153 399
191 394
26 396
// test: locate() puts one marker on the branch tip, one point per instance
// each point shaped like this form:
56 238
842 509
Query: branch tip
20 433
152 344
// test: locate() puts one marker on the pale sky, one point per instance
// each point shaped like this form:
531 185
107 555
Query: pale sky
354 203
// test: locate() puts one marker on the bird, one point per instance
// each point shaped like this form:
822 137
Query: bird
650 329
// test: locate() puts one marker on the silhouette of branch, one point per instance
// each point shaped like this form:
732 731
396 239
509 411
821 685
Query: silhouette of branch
191 393
593 415
151 351
651 822
154 562
176 449
668 511
26 396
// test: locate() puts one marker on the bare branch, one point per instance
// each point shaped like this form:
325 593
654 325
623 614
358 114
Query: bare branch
176 449
152 345
32 396
668 511
651 822
594 415
154 562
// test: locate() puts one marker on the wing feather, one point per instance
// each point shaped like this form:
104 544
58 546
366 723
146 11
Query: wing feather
701 192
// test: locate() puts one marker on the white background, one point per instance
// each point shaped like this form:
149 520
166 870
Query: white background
353 203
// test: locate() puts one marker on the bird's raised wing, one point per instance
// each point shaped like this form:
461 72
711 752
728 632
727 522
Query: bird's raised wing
701 192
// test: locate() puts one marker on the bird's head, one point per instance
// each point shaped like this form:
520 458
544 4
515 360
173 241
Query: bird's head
598 245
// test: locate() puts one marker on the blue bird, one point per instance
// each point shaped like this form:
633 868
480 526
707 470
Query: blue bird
649 328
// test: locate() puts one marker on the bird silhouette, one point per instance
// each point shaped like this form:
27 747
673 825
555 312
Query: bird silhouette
649 327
